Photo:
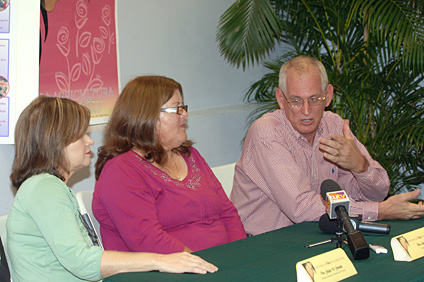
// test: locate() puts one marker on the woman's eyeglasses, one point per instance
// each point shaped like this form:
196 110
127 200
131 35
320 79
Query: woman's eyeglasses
177 110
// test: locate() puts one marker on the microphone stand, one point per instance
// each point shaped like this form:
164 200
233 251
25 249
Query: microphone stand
338 239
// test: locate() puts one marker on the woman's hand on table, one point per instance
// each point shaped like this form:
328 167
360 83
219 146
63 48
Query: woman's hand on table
184 262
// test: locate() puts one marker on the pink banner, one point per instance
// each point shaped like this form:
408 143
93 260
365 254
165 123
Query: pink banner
79 55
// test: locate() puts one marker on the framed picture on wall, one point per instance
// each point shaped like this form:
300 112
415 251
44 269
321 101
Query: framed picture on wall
78 54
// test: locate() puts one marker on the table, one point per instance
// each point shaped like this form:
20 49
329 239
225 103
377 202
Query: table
273 256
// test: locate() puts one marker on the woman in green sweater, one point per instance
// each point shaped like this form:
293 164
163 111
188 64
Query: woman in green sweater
46 238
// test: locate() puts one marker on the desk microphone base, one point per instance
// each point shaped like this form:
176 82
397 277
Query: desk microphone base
338 240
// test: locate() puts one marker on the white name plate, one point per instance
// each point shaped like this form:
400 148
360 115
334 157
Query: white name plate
330 266
408 246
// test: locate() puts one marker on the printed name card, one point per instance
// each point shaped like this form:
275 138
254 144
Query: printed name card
408 246
330 266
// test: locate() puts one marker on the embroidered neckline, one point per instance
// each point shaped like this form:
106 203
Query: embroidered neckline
192 180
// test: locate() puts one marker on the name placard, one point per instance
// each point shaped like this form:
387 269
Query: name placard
408 246
330 266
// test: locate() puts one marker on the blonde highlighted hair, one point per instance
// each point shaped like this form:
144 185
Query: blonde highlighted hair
42 132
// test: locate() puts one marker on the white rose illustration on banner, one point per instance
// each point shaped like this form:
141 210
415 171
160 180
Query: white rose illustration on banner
83 63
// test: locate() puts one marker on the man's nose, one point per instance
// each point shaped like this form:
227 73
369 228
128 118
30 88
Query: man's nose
306 107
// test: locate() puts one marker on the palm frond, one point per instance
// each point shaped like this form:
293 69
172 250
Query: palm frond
400 24
373 51
247 32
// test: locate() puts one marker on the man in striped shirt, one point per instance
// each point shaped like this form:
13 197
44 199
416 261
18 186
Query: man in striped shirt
288 153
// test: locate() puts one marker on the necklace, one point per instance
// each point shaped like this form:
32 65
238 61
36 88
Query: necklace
177 175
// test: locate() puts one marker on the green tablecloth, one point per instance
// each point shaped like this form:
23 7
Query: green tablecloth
273 256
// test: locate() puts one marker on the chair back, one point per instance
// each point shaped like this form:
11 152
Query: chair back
84 199
4 266
225 175
3 220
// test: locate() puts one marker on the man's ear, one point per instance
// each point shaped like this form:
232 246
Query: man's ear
329 95
280 98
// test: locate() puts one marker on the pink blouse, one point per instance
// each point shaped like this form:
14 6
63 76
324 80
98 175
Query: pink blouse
140 208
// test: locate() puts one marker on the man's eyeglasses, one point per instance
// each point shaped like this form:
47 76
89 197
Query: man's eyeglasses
177 110
296 102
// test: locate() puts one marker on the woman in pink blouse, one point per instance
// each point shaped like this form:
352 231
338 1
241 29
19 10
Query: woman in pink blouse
155 192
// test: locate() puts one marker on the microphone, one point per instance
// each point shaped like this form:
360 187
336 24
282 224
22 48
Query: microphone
337 205
329 226
329 185
333 196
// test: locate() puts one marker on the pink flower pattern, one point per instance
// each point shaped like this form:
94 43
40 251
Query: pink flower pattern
105 31
81 17
63 41
89 44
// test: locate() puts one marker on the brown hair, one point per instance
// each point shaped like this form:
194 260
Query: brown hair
134 118
42 132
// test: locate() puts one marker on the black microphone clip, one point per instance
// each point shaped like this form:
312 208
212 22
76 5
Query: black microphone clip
337 204
356 241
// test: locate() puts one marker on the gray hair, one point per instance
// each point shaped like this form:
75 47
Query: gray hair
301 65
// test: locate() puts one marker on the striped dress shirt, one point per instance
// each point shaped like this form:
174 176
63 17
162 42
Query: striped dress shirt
278 177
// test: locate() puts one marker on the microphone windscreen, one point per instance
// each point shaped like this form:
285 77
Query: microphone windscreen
327 225
329 185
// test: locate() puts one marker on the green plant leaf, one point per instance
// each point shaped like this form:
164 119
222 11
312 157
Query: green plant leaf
247 32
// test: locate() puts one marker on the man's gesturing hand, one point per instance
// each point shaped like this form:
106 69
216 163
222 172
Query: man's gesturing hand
343 151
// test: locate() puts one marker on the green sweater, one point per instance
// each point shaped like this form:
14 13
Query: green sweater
46 240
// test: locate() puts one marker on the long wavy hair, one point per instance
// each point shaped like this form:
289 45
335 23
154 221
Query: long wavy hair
134 118
44 129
